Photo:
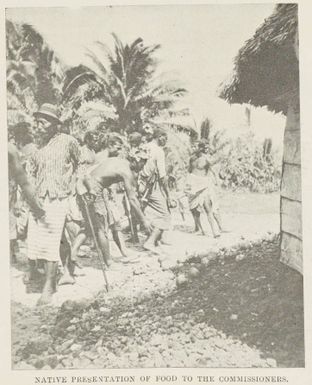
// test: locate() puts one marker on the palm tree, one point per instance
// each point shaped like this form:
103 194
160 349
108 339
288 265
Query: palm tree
84 101
128 82
34 73
215 137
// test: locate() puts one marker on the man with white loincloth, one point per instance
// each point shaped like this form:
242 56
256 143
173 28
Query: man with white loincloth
200 187
153 186
53 167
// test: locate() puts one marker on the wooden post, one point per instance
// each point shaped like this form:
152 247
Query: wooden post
291 218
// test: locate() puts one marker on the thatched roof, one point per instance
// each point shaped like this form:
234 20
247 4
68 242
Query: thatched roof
266 69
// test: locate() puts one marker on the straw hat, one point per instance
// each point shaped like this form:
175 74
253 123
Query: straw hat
49 111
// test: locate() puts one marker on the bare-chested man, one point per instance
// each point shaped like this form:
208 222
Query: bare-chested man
113 170
200 185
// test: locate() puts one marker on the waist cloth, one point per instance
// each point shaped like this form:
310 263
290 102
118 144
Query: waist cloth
44 235
200 189
156 209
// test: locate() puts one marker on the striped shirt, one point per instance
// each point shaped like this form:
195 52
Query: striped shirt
54 165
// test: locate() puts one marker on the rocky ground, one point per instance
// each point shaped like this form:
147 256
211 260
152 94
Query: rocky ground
229 303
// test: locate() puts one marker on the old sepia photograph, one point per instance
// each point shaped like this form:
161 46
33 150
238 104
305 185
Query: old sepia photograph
154 173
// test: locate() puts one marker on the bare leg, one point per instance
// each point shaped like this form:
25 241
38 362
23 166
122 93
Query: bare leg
194 215
79 241
103 244
217 217
135 223
151 241
211 220
197 221
50 284
65 253
118 238
32 273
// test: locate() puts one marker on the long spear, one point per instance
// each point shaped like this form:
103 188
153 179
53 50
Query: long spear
98 249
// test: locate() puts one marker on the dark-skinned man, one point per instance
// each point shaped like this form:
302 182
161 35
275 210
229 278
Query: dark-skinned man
53 167
200 187
112 171
154 189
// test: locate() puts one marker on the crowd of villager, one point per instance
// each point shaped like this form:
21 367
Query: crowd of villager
67 196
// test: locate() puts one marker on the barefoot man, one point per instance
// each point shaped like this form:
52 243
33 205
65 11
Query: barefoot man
154 189
53 167
107 173
200 186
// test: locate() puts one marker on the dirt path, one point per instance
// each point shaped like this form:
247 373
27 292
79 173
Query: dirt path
248 217
144 321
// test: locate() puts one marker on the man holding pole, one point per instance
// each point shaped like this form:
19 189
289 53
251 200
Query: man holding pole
113 170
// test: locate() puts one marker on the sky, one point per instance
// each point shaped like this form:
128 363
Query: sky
198 46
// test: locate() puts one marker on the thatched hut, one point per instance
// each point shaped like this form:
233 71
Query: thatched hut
267 74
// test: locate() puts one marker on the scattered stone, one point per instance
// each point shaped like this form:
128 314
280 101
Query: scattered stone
51 361
240 257
158 360
75 347
38 363
66 344
82 363
105 310
37 345
181 280
193 272
22 365
167 263
205 261
271 362
75 320
91 355
156 340
111 356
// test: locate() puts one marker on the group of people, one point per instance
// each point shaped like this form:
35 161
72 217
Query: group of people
68 192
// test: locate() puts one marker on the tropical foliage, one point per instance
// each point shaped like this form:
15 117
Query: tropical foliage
250 166
34 73
215 138
126 80
122 92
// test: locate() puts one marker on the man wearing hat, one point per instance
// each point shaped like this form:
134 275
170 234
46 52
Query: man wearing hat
53 167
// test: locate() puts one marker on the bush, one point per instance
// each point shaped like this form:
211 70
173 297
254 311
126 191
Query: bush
249 167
